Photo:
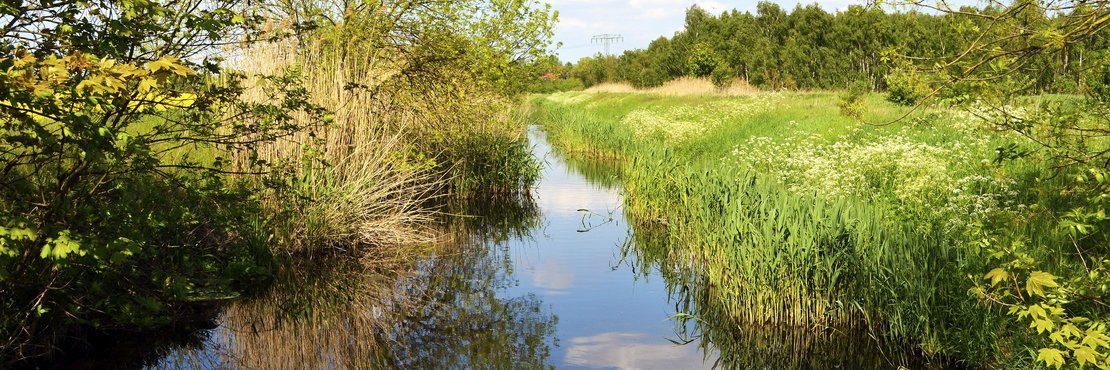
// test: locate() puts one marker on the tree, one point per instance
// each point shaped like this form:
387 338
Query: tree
702 60
97 102
129 149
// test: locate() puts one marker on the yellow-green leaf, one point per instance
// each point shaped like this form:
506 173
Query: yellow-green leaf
1042 325
1096 339
146 84
1085 354
996 276
168 63
1037 312
1051 357
1038 280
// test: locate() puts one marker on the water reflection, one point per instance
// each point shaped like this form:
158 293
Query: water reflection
700 320
441 312
631 351
559 280
463 318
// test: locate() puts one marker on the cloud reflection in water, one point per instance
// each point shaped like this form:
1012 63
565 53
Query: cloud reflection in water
631 351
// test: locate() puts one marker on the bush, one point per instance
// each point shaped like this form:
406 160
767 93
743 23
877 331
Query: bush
722 75
850 104
557 85
703 59
905 88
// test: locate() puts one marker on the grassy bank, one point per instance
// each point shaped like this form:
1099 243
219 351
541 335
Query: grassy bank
799 216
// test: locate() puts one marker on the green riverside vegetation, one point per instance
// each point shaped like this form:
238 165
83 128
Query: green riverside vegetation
158 158
163 159
800 216
952 196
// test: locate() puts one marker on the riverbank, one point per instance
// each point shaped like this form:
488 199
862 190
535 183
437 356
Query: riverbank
802 217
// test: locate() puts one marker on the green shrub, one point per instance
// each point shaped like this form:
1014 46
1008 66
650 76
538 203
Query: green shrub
850 100
722 75
557 85
905 88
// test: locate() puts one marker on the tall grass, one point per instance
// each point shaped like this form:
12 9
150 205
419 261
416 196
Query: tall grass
776 247
684 86
352 180
740 343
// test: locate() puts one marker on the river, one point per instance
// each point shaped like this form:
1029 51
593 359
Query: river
558 280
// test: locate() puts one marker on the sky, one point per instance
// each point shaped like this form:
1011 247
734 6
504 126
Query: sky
641 21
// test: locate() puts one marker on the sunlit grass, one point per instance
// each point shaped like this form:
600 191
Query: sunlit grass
797 215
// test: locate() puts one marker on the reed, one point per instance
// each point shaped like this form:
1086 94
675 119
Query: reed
352 181
683 86
883 258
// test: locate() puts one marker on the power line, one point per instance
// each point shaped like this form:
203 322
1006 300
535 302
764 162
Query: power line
606 40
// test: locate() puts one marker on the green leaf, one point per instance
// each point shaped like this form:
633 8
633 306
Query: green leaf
1051 357
1038 280
61 246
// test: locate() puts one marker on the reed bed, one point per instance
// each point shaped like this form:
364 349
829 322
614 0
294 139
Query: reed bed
776 253
354 181
684 86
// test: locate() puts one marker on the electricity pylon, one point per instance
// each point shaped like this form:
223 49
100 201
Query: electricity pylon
606 40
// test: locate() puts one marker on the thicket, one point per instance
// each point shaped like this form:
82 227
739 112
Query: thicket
158 155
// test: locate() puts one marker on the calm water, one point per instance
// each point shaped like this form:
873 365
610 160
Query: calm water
558 280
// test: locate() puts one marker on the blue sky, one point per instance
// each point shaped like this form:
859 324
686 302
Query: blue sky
641 21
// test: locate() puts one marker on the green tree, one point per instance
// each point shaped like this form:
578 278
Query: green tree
99 102
702 60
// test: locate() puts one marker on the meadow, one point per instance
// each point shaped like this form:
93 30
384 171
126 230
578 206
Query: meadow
800 216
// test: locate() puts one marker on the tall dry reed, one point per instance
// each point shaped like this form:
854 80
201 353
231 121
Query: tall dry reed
685 86
353 180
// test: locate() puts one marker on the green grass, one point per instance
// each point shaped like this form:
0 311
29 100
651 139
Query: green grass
799 216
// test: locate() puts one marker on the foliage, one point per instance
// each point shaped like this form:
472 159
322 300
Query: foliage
1053 278
445 83
722 75
805 47
702 61
99 109
138 167
557 85
850 100
906 88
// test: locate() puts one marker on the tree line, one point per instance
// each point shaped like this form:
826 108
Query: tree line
811 48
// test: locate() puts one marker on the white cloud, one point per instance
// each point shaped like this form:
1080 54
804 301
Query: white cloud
714 7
